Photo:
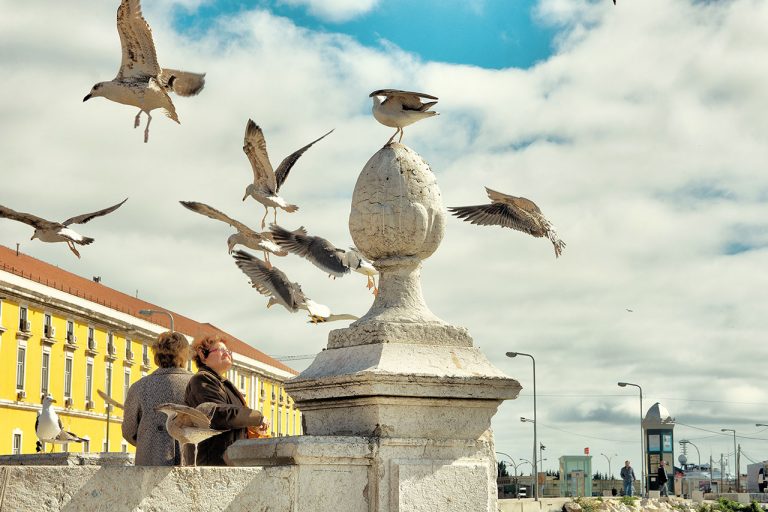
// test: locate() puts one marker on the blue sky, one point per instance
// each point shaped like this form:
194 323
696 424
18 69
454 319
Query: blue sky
490 33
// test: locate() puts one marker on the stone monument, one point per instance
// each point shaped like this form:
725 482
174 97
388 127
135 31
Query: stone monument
397 409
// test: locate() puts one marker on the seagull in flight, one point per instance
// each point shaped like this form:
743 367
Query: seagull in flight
323 254
266 181
140 82
244 236
49 429
401 108
49 231
511 212
189 425
273 283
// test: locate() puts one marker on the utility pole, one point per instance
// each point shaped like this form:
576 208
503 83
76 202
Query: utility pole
710 472
720 489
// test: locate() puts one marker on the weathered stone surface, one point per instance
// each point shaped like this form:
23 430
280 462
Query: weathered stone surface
68 459
113 488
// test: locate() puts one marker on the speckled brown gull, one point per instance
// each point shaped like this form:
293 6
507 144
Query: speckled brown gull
141 82
511 212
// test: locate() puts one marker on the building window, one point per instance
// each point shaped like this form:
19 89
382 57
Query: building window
68 377
108 379
242 383
145 354
87 446
128 351
274 420
89 381
21 359
23 322
44 371
91 339
48 326
126 383
16 443
110 344
124 447
70 331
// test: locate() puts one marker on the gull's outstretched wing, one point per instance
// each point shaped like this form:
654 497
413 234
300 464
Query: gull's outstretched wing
187 416
520 203
213 213
494 214
139 56
270 281
255 148
82 219
319 251
27 218
288 162
182 83
108 399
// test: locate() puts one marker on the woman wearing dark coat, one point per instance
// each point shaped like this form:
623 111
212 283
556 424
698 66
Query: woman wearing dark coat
144 427
209 384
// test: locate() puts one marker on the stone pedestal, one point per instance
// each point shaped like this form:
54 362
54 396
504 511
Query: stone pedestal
397 409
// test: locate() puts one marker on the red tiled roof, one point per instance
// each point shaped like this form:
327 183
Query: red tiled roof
49 275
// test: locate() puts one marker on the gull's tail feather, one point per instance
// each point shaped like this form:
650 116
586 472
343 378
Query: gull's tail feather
85 241
556 242
290 208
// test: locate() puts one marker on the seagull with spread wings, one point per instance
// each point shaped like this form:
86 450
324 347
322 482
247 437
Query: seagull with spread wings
140 82
266 181
323 254
189 425
273 283
244 236
49 429
49 231
401 108
511 212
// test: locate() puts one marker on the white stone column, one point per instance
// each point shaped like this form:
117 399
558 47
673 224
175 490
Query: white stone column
400 400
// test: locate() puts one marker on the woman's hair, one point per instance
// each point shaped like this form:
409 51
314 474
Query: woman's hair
171 350
205 344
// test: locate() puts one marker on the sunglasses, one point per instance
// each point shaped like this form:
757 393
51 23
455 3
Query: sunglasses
222 350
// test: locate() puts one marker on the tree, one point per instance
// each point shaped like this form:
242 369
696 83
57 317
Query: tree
502 469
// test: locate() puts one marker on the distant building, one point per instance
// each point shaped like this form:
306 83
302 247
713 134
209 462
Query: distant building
69 336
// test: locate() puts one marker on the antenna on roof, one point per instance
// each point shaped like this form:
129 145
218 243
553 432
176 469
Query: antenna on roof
17 248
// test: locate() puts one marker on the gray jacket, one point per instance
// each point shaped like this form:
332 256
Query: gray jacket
143 427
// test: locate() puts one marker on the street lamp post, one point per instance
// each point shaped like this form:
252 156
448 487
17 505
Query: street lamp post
642 437
535 440
735 455
610 473
150 312
535 465
685 441
514 464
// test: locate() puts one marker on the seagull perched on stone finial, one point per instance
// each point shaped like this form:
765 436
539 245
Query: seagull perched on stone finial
49 429
141 82
189 425
266 181
511 212
323 254
244 236
49 231
401 108
273 283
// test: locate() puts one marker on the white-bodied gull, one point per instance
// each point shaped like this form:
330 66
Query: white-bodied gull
244 236
511 212
140 82
49 231
189 425
401 108
273 283
266 181
323 254
49 429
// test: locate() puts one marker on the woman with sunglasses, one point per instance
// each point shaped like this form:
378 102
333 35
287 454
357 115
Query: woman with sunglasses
213 359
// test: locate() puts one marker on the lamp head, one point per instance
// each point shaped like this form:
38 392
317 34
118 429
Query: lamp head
511 354
145 312
622 384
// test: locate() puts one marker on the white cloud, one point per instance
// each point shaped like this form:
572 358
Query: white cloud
335 10
642 139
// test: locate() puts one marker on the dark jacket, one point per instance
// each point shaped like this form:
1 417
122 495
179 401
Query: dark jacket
627 474
662 475
207 386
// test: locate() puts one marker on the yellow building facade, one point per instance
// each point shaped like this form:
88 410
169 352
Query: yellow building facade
69 337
